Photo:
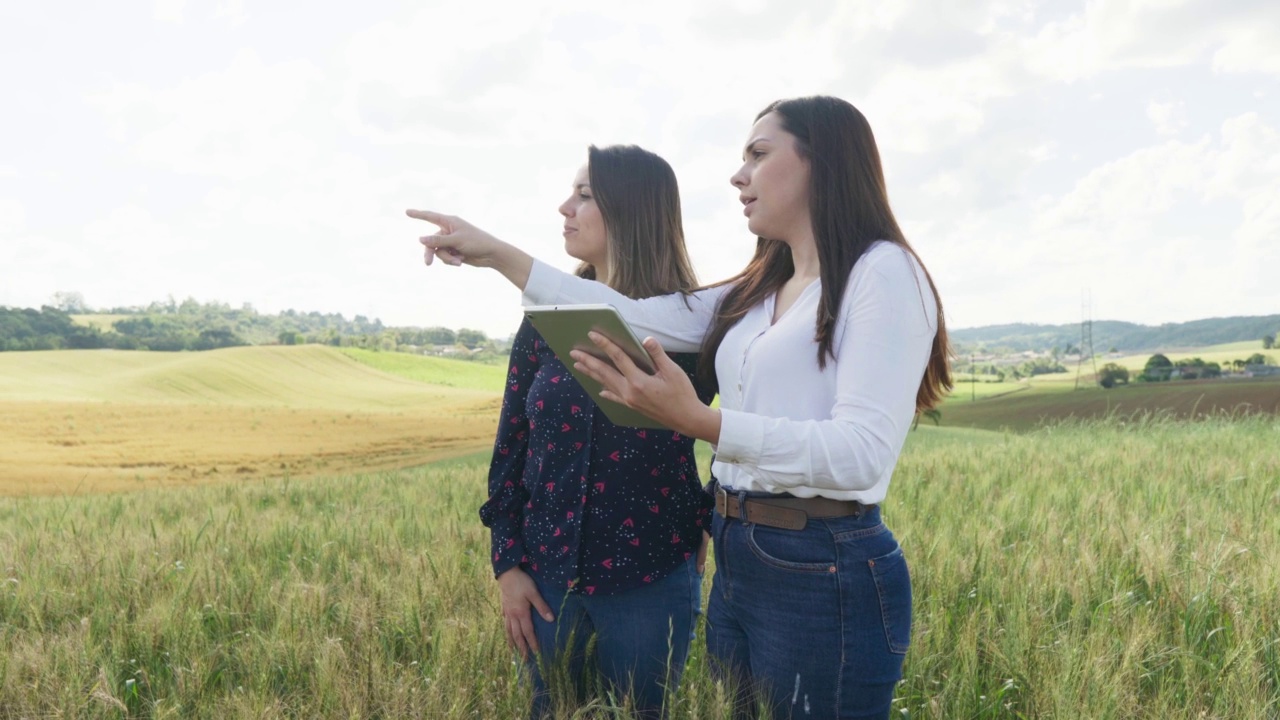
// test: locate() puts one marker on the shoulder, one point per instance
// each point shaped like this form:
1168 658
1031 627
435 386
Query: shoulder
528 349
889 275
526 335
888 259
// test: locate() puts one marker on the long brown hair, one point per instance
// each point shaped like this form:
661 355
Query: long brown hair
849 207
639 201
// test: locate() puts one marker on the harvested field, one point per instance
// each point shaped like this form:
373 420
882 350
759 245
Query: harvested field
91 421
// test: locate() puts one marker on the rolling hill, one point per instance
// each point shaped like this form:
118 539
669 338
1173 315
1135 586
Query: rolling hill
91 420
1124 336
307 376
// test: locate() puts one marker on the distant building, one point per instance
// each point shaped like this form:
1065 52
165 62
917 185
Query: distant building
1261 370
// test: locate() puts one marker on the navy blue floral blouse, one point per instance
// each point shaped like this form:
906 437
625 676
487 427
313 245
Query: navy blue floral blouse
578 501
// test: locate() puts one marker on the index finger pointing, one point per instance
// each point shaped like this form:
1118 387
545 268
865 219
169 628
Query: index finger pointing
434 218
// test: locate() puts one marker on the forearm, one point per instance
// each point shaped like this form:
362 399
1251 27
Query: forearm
513 263
702 423
677 321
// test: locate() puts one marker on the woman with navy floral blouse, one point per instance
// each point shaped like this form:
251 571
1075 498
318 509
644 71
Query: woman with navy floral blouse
597 529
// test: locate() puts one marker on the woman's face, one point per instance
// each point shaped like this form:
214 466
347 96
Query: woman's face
773 183
584 234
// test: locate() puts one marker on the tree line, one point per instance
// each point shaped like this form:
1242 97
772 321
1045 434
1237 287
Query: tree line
1159 368
1122 336
190 325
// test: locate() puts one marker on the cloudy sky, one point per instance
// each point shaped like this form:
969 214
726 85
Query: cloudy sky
263 152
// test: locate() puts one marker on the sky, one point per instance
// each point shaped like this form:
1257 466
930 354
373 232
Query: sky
1037 153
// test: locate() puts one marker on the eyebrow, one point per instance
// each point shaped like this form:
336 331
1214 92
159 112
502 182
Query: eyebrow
751 145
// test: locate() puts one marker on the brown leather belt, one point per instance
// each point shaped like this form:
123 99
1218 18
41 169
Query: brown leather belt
790 513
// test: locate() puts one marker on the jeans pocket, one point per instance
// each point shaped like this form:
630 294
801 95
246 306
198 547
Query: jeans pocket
893 587
795 550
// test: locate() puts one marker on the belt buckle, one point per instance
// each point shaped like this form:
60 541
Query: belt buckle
722 502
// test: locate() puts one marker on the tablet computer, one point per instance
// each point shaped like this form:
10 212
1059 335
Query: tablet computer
565 329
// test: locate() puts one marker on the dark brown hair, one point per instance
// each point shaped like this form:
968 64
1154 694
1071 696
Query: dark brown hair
849 207
639 201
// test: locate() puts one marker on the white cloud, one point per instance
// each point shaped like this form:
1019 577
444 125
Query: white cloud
1251 50
931 107
1169 118
1107 36
12 217
1174 230
236 123
1044 152
168 11
267 165
232 11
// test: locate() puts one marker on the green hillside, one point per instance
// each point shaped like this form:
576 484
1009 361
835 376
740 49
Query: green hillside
1124 336
462 374
308 376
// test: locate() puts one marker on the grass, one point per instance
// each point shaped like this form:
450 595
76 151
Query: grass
1085 570
432 370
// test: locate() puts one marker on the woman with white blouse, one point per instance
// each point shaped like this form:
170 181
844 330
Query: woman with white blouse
825 347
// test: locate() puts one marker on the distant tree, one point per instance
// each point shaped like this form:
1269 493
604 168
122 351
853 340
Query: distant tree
1257 359
471 339
1111 375
1211 370
1191 369
215 338
1157 369
290 337
1041 366
439 336
1268 341
73 303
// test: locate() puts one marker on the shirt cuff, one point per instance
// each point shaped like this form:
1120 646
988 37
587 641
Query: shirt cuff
508 558
543 285
741 438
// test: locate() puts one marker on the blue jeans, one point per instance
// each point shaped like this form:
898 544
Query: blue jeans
812 622
641 642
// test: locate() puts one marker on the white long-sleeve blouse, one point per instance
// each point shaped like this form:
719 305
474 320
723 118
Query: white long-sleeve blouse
788 426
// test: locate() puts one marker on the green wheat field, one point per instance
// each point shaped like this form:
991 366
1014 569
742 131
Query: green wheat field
1105 570
1121 567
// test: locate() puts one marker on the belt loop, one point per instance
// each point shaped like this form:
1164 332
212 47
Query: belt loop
742 507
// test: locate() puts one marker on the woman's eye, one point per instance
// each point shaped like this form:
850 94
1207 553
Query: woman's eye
757 154
584 196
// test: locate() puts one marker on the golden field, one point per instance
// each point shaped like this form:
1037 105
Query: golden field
93 420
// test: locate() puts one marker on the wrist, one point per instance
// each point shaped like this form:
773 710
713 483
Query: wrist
508 574
702 423
512 262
